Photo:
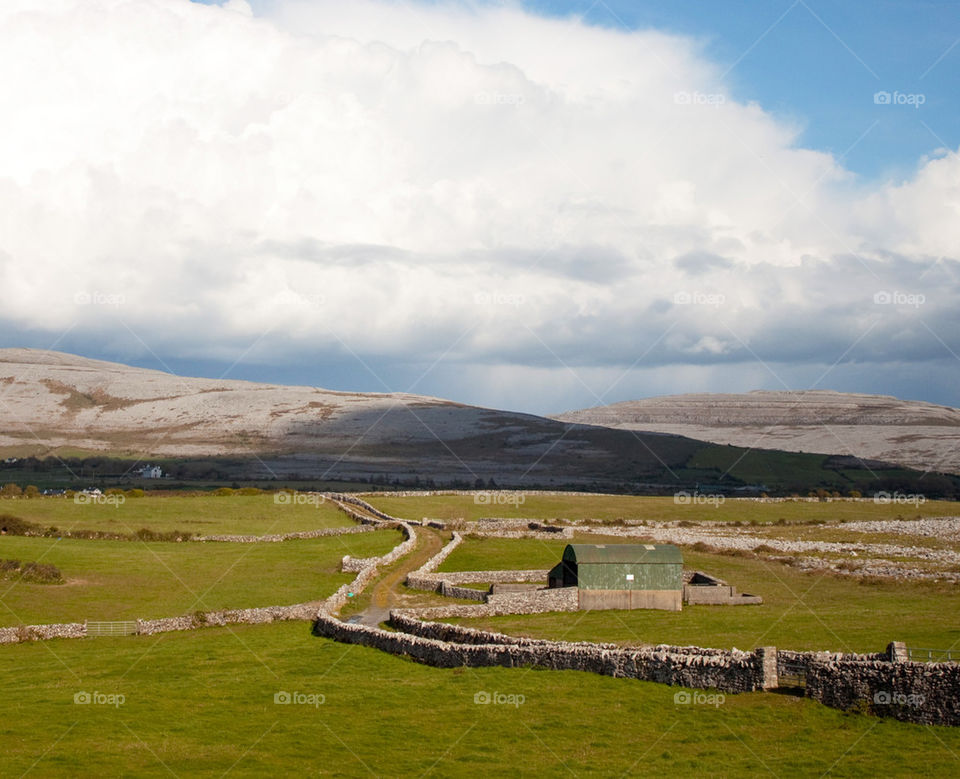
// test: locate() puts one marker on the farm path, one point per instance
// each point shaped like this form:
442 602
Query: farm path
386 593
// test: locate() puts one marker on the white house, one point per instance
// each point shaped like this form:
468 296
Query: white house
150 472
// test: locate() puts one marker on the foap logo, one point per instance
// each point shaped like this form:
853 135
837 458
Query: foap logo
915 99
96 698
714 99
898 298
497 98
484 698
698 298
96 298
499 299
890 698
499 498
684 498
697 698
899 499
291 299
98 499
295 698
299 499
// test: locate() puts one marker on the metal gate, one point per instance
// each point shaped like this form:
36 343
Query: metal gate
122 628
791 673
923 655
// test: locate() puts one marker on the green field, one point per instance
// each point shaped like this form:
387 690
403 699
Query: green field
614 508
800 610
197 513
202 703
110 580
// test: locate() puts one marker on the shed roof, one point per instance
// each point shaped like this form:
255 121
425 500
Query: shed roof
623 553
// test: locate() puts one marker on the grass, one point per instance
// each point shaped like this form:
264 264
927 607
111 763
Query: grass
201 514
202 704
614 508
108 580
505 554
800 610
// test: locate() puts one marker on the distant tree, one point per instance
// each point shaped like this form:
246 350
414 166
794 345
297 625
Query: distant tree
10 490
31 491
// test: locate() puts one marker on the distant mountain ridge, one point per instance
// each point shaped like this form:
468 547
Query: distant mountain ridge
217 430
916 434
51 401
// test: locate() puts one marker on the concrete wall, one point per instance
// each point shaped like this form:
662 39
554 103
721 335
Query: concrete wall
666 600
720 595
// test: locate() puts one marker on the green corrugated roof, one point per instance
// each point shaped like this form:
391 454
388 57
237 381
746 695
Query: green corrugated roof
623 553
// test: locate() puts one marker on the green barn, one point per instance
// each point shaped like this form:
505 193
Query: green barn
622 576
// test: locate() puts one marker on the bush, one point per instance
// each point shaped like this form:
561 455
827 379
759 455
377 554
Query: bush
34 573
14 526
249 491
223 491
41 573
199 618
10 491
134 493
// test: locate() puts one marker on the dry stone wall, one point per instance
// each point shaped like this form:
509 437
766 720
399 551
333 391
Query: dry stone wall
471 493
925 693
149 627
531 602
16 635
273 538
336 601
728 672
342 499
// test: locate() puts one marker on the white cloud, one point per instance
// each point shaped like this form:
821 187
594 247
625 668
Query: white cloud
387 178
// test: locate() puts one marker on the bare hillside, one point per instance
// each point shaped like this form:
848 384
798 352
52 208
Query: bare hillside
877 427
50 401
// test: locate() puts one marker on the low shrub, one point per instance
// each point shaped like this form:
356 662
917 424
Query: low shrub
34 573
14 526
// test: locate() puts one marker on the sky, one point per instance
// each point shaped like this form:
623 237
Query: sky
538 206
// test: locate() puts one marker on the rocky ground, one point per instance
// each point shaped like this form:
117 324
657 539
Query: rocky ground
888 560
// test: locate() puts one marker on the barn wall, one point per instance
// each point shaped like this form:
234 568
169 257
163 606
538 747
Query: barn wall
667 600
646 576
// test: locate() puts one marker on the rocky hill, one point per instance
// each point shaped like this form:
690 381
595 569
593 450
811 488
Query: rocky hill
52 402
877 427
210 430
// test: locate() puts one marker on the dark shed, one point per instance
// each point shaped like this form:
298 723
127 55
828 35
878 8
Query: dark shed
622 576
